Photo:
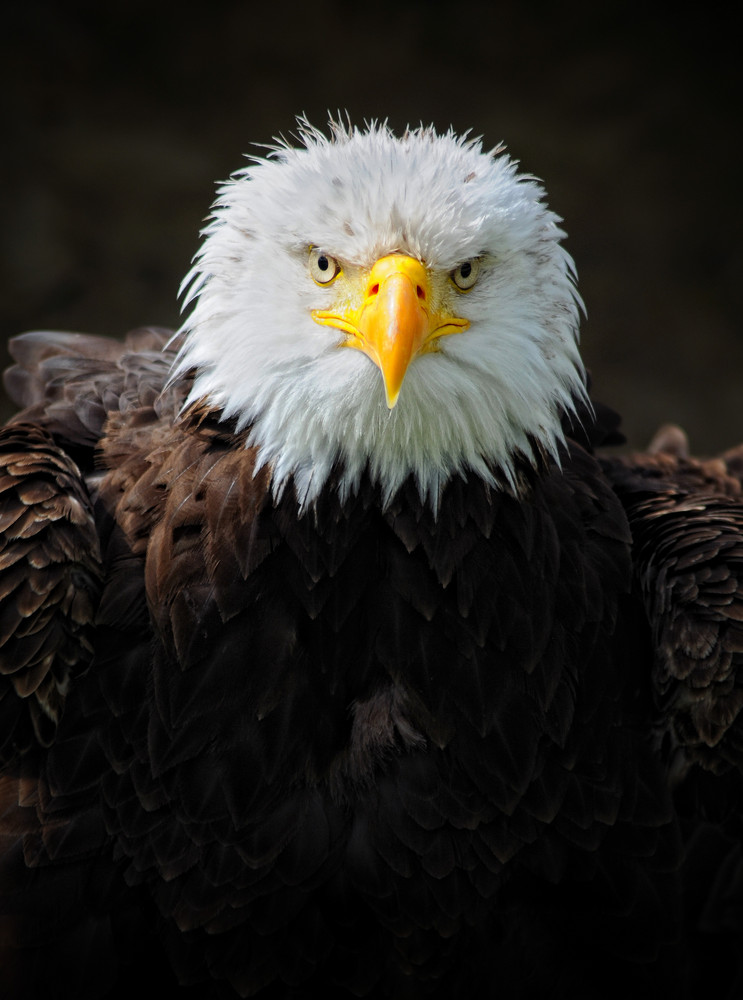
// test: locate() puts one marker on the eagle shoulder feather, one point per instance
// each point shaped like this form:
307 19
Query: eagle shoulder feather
686 517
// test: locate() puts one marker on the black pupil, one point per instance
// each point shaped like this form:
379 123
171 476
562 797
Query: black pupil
323 263
466 270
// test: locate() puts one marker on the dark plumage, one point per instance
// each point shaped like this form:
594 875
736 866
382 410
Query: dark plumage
264 740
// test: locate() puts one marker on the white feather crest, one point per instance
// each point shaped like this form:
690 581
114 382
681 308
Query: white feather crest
471 408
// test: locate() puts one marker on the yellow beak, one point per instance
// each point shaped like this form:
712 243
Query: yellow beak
394 321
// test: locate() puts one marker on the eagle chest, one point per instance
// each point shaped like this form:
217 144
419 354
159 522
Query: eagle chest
329 649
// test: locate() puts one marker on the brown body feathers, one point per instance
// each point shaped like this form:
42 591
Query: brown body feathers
364 751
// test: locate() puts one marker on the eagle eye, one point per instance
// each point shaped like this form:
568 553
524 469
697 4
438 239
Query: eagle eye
323 267
465 275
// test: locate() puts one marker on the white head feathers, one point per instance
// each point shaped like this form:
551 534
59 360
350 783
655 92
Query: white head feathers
472 406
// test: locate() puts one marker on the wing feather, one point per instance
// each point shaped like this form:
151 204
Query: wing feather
686 518
50 570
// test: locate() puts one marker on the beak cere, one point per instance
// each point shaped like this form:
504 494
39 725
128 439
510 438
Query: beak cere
394 322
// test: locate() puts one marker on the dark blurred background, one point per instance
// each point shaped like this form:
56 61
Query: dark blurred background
117 119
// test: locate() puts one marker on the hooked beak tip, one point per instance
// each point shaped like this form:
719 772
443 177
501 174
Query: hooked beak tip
391 399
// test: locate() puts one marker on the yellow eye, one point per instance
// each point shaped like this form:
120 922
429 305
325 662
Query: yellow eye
323 267
465 275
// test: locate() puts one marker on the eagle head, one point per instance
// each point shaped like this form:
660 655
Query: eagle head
396 306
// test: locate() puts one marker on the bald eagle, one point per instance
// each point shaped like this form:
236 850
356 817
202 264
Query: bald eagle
339 653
